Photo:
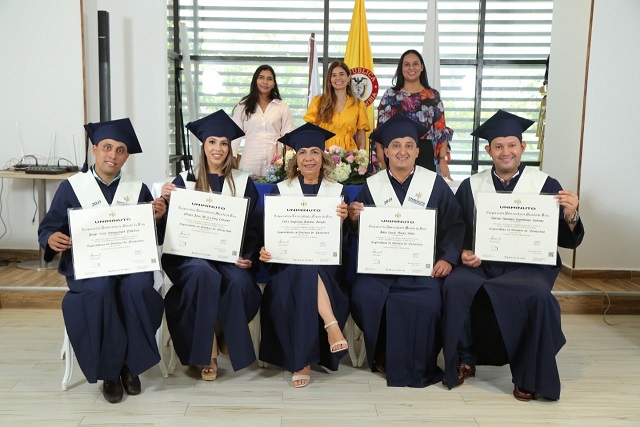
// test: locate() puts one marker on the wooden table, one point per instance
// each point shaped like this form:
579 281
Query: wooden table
40 180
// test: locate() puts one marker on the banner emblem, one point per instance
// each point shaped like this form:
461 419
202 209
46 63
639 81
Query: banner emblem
364 84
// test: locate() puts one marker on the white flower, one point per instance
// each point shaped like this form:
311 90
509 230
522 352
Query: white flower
288 156
362 157
341 172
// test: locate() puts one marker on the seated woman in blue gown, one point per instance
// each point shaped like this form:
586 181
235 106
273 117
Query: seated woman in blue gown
303 308
208 295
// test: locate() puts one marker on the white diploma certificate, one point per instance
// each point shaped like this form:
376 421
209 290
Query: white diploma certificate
516 228
303 230
113 240
396 241
205 225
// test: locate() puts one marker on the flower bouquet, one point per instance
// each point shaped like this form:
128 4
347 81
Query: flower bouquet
275 172
350 165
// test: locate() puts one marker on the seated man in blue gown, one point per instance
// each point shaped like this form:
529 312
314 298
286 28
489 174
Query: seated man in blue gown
400 316
111 321
503 312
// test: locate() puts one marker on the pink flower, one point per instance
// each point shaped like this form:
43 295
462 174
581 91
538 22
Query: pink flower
362 170
336 159
350 158
334 149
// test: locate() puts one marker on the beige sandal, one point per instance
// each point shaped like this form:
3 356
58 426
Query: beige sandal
335 347
210 372
305 378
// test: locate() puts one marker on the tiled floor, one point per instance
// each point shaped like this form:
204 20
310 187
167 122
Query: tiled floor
598 366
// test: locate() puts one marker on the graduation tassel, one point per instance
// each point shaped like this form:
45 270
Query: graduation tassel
85 165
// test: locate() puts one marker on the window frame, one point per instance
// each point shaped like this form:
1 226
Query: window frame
480 64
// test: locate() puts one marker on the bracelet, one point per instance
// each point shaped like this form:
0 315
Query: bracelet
574 220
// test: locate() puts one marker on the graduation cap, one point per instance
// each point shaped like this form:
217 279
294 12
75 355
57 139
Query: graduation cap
120 130
398 126
502 124
216 124
306 136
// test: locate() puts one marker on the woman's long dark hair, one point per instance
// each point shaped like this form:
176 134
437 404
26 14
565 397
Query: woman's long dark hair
398 79
250 102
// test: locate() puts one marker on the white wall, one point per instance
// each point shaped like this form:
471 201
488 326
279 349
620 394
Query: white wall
567 73
567 69
42 88
610 153
138 47
604 163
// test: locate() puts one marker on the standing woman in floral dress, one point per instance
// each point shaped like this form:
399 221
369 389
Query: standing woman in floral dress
412 96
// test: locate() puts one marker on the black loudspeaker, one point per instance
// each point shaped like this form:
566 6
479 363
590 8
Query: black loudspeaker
104 60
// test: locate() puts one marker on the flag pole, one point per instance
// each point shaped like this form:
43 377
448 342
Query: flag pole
312 50
314 88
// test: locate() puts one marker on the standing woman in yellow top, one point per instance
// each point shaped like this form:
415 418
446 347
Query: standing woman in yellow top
339 111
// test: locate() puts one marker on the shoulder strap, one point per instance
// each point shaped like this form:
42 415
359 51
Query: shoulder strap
418 193
420 188
531 181
240 180
382 191
89 195
290 187
87 190
189 185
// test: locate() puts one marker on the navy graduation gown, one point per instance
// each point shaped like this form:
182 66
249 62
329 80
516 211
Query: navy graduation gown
293 334
408 309
205 292
110 320
519 322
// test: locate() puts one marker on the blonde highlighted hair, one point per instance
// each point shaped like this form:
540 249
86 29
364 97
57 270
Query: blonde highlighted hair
292 171
202 171
328 99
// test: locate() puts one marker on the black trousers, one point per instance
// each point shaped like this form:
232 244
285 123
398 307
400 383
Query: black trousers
425 157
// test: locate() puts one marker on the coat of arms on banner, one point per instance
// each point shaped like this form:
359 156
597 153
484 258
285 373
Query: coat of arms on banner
364 84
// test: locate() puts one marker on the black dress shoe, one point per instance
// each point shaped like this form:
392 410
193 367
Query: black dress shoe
112 390
380 365
130 383
523 395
